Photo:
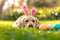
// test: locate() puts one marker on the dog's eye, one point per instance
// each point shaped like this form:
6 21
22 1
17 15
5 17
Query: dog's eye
33 20
26 21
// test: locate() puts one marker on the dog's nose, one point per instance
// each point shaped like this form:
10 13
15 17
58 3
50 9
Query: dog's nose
30 25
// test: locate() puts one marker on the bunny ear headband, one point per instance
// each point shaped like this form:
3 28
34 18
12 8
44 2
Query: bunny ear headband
25 8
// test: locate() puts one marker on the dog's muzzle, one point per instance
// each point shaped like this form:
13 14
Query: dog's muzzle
31 25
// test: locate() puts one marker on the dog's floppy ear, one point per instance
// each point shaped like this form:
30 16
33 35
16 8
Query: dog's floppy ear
19 22
25 8
37 23
33 11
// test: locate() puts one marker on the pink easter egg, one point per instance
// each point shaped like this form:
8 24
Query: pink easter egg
50 27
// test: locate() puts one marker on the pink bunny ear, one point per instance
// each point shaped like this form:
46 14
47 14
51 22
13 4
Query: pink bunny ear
25 8
33 11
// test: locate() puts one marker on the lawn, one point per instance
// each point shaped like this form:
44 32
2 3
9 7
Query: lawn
10 23
7 32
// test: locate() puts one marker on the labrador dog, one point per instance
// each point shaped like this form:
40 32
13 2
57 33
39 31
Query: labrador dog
27 20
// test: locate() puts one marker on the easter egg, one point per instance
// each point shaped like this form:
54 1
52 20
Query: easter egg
50 27
43 27
57 26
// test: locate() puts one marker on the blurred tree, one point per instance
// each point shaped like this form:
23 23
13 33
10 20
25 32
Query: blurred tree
45 3
1 6
40 4
11 5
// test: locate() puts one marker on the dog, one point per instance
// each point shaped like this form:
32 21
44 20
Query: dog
27 20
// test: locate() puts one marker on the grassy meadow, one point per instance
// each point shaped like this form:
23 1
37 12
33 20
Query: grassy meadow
7 32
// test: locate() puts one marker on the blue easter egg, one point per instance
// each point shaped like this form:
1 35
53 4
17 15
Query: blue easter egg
50 27
57 26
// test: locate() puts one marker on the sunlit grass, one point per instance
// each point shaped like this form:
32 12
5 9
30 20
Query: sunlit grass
9 33
10 23
7 24
52 22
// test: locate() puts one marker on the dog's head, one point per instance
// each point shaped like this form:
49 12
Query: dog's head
31 21
28 20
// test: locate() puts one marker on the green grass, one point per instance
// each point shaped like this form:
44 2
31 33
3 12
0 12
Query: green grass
7 32
52 22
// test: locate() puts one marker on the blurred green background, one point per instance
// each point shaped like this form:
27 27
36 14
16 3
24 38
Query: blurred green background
48 12
46 9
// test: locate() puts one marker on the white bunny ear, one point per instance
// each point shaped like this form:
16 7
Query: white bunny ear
25 8
33 11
